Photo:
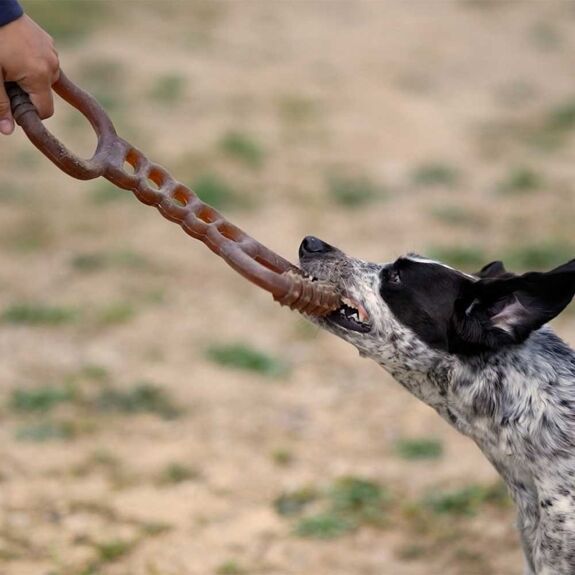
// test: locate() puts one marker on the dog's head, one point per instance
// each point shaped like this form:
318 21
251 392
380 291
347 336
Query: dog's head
426 305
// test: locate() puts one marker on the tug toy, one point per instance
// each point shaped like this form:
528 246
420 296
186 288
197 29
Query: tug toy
128 168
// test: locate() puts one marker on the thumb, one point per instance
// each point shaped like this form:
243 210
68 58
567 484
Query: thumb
6 120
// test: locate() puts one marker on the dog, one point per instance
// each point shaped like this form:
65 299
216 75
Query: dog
476 349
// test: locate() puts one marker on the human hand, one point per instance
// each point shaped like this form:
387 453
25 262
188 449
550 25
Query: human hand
28 57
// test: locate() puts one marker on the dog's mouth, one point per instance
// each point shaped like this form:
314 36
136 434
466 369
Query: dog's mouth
351 315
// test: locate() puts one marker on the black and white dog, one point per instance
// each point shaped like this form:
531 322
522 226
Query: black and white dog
475 348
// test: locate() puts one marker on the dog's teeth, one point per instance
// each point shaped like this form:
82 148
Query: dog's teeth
363 314
358 313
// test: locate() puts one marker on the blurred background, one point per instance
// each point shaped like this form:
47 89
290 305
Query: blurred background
161 416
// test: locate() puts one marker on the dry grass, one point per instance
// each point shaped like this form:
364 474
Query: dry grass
163 417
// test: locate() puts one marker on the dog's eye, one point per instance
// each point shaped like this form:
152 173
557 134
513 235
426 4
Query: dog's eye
392 276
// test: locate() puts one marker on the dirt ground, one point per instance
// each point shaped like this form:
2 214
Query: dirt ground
161 416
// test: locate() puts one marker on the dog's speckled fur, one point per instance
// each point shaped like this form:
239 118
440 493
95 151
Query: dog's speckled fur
517 403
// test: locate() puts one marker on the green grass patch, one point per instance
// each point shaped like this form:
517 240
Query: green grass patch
113 549
360 499
282 457
348 504
529 257
297 110
27 159
105 79
230 568
32 234
466 501
102 72
11 193
542 256
215 191
457 216
417 449
89 262
68 21
175 473
483 4
435 174
553 130
244 357
94 372
324 526
354 192
96 261
143 397
88 394
40 399
412 552
294 503
465 257
33 314
168 89
104 193
562 117
50 430
520 180
155 528
116 313
545 36
99 461
243 148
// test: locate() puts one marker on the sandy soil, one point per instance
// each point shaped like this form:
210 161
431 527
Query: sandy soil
454 116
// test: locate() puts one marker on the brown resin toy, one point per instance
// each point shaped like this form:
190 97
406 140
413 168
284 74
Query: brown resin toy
128 168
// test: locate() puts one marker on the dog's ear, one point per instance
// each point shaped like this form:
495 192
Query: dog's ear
497 311
491 270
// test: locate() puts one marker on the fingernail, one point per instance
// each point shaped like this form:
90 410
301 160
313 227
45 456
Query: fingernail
6 127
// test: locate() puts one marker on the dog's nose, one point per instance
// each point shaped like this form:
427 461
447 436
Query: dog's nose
312 245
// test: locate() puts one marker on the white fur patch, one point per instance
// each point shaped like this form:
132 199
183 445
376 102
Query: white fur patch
422 260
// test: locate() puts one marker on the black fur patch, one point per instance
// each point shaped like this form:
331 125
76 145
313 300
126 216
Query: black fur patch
451 311
422 296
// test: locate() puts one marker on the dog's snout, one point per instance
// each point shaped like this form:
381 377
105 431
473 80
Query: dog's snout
312 246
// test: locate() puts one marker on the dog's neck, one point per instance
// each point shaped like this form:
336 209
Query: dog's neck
541 361
424 372
492 385
542 353
516 381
